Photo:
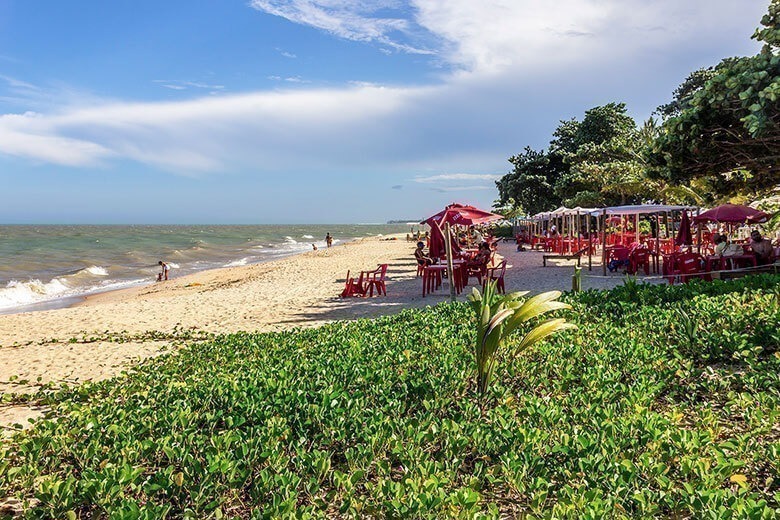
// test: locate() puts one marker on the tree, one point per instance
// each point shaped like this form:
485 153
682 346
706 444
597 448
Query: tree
593 162
605 166
530 184
724 124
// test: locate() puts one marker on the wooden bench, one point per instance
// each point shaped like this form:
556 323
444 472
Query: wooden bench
733 275
576 255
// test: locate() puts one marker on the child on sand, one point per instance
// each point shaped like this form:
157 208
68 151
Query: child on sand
164 271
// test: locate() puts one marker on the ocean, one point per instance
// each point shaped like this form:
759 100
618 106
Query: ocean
51 266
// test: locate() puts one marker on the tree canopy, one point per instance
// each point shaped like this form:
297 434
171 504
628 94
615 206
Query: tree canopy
719 139
591 162
723 125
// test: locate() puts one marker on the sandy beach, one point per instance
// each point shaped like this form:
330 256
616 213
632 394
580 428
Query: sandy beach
75 344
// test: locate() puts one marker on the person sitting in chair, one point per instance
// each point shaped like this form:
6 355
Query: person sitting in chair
482 257
721 243
420 256
762 248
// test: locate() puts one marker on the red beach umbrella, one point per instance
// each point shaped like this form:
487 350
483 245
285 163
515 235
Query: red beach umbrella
436 245
684 236
734 213
455 214
463 215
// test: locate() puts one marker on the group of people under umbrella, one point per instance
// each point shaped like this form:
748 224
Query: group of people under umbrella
443 243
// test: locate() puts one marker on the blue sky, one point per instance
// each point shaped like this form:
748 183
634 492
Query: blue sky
317 111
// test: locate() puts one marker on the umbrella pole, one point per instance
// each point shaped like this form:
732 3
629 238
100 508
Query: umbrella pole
636 227
448 249
698 233
590 244
604 243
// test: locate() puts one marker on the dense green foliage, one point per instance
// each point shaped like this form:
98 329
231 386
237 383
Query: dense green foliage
724 124
594 162
640 412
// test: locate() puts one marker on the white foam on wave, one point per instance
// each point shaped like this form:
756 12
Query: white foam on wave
238 263
95 270
173 265
17 293
306 236
290 240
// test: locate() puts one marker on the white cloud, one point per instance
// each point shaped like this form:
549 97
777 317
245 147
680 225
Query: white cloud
448 189
271 129
285 53
491 36
29 136
457 177
524 64
18 84
176 84
350 19
296 79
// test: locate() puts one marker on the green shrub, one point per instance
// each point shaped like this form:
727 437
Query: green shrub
617 419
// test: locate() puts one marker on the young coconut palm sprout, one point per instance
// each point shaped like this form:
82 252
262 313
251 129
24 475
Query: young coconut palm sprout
499 316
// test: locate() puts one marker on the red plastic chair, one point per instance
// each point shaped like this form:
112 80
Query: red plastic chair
620 254
689 264
478 271
377 279
431 280
497 275
639 258
669 268
353 287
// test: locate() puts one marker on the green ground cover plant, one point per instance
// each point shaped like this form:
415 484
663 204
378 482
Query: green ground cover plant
631 415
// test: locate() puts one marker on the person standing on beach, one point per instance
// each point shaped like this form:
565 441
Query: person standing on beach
164 271
328 239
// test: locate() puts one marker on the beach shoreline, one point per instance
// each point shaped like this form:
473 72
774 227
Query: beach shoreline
53 266
109 332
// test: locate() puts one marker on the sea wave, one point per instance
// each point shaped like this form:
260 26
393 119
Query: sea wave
71 266
19 294
238 263
23 293
95 270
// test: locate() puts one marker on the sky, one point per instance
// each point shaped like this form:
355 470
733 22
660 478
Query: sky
318 111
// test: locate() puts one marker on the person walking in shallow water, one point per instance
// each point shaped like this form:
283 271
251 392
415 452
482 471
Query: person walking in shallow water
328 239
163 272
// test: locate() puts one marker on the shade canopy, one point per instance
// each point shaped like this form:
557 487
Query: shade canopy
640 209
563 211
636 209
462 215
733 213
